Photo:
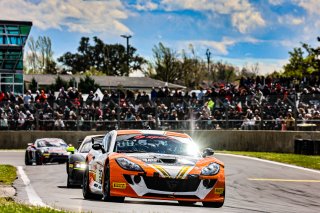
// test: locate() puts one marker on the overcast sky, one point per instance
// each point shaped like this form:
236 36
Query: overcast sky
237 31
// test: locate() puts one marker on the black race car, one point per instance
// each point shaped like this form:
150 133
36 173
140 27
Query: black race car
46 150
76 164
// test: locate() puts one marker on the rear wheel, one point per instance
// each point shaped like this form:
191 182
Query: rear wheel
106 188
27 160
85 187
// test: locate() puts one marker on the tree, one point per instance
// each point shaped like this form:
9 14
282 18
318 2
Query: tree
40 59
33 85
224 72
193 69
110 59
87 84
72 82
59 83
303 61
32 57
167 67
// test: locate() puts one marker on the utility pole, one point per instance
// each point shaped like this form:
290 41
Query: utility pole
127 37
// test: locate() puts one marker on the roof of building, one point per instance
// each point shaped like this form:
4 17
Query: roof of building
12 22
105 81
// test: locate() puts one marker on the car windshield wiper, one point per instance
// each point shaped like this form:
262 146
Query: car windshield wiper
131 151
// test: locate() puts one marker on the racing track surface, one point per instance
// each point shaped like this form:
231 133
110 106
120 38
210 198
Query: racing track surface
294 190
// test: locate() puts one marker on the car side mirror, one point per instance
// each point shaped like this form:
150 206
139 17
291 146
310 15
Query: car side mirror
98 146
207 152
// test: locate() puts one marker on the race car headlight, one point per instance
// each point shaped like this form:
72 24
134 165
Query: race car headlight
128 165
80 165
211 169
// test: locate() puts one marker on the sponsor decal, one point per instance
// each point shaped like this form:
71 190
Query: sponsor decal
218 191
118 185
182 172
162 170
46 155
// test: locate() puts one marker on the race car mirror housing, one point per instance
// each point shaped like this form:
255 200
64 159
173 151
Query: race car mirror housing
207 152
98 146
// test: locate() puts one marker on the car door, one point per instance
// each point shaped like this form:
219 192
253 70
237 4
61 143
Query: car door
97 164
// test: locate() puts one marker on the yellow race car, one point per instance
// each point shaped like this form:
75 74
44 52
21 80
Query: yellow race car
153 164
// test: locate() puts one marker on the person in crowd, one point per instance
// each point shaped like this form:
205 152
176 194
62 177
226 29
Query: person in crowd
289 122
59 123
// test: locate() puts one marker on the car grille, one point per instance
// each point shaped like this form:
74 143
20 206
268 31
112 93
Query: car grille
171 196
171 184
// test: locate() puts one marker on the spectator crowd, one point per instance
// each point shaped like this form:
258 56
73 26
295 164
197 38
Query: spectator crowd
252 104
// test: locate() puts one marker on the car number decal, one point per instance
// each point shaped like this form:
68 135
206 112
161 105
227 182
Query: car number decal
218 191
118 185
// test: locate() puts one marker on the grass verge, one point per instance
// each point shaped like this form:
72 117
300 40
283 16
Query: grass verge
7 174
7 205
307 161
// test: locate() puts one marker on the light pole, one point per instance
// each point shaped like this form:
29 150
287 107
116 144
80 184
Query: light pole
208 54
127 37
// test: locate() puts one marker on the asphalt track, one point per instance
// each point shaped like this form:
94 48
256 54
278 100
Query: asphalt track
252 186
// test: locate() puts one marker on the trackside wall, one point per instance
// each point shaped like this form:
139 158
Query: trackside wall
262 141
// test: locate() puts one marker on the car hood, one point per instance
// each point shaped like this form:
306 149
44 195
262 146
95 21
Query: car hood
165 159
54 149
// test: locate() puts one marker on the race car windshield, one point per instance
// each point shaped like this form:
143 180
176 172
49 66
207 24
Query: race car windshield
45 143
154 144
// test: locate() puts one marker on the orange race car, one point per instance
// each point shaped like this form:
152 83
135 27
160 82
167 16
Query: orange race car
153 164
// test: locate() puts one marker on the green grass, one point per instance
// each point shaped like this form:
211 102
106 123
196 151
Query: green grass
307 161
7 174
7 205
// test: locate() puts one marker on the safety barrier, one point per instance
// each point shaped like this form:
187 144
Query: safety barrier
233 140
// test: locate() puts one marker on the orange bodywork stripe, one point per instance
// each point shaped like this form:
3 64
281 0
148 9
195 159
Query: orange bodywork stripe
176 134
128 132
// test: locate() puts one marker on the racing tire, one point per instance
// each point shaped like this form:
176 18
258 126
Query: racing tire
106 188
38 159
27 160
85 188
213 204
186 203
69 185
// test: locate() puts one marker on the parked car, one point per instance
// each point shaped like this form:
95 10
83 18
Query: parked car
46 150
154 165
76 164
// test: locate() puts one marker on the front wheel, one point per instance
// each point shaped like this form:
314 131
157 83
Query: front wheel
213 204
106 188
27 160
38 159
186 203
85 187
69 185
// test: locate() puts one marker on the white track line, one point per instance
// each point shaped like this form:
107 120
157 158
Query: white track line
271 162
34 199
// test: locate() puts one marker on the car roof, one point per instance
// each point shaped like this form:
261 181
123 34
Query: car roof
50 139
153 132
